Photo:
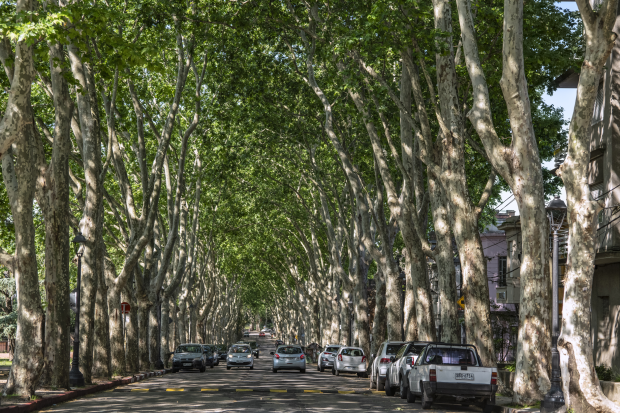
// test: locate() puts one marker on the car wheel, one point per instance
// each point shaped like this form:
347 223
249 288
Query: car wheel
203 369
333 372
403 388
322 369
302 370
274 370
227 367
175 370
426 401
373 383
410 396
251 367
211 365
318 367
337 372
389 391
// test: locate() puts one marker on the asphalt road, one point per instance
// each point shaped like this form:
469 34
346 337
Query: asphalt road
285 391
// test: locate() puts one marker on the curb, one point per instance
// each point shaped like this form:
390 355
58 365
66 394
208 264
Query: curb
504 409
257 390
74 394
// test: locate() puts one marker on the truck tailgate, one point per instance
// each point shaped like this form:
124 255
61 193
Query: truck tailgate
456 374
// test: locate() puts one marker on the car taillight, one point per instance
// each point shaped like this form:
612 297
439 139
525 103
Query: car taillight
327 354
384 360
340 357
432 375
301 357
363 359
494 378
277 356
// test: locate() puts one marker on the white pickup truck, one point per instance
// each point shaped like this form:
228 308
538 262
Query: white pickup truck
452 371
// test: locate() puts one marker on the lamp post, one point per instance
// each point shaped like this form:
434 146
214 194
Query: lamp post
401 283
350 322
76 379
554 399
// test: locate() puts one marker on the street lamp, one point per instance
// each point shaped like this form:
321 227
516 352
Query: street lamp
159 364
76 379
402 283
554 399
350 322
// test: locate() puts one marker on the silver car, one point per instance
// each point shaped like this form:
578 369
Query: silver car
240 355
188 357
350 360
326 358
289 358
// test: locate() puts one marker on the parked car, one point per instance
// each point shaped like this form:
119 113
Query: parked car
381 362
188 357
452 370
246 334
214 350
350 360
401 363
289 358
222 351
279 343
327 356
240 355
261 334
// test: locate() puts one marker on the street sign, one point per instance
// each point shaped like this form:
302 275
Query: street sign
461 302
125 307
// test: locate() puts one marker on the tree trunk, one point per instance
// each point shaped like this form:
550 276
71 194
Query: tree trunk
143 335
165 325
117 341
379 324
57 248
154 334
102 348
131 335
445 263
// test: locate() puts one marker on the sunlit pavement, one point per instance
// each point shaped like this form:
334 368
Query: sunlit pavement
196 392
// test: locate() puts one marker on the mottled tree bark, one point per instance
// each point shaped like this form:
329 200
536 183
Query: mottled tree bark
102 349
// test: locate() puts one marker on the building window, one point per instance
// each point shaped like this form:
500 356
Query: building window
604 307
501 295
502 270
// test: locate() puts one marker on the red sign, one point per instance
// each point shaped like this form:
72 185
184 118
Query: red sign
125 307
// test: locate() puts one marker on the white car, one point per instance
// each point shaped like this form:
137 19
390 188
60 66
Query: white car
326 358
240 355
381 362
350 360
396 377
452 370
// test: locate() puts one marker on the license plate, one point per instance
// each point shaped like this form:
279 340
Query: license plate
187 364
348 367
463 376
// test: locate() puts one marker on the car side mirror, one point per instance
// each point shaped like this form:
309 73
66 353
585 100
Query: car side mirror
272 353
169 354
392 359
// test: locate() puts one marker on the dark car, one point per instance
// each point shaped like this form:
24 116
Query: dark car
222 351
253 345
211 356
279 343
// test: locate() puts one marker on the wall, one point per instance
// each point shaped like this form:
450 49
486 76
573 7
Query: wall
606 315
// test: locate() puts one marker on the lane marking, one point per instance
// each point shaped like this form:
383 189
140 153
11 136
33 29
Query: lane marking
140 389
175 389
277 391
346 391
244 389
209 389
312 391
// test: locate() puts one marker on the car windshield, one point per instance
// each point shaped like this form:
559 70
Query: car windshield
451 356
240 349
392 349
332 349
188 349
289 350
353 352
221 347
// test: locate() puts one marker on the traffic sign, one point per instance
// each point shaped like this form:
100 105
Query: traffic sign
125 307
461 302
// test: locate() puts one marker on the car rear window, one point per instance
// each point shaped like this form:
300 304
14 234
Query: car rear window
451 356
241 349
392 349
289 350
353 352
332 349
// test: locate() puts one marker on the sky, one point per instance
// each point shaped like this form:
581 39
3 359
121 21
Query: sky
562 98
